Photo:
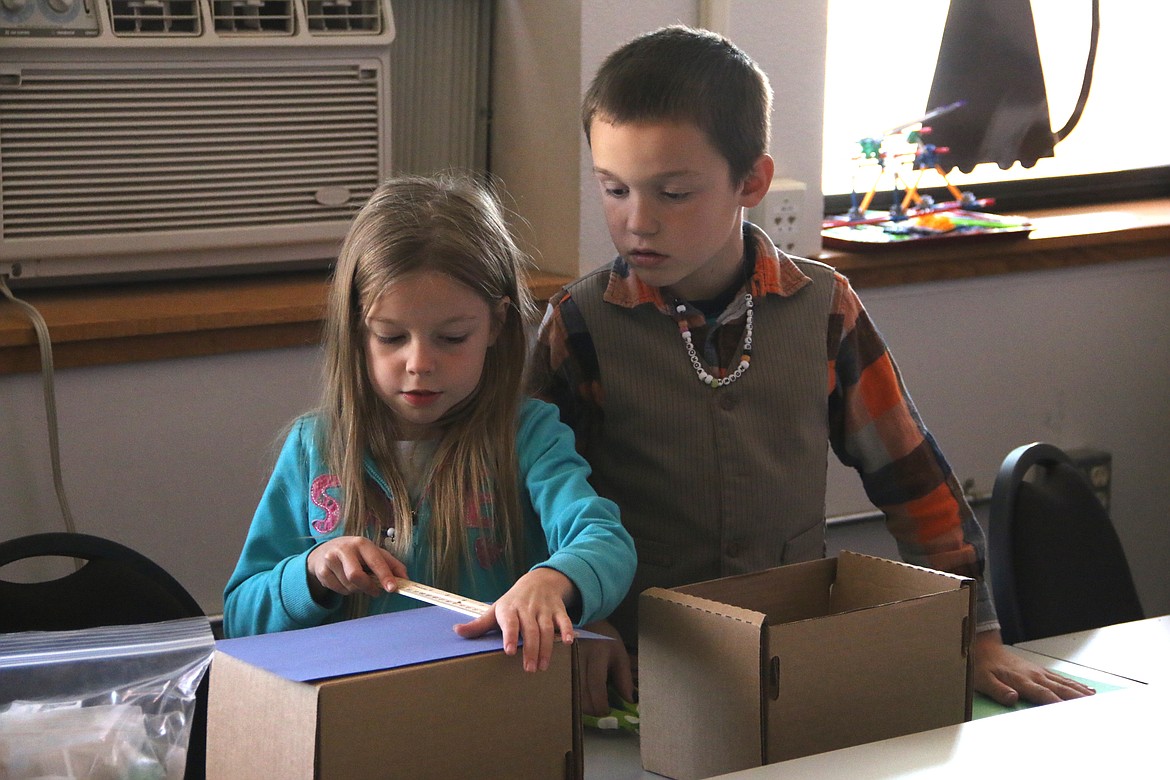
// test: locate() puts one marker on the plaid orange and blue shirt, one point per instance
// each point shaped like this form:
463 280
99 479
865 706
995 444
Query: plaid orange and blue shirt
873 424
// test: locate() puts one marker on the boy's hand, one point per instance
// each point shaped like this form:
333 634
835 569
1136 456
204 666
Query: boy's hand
533 610
1007 678
352 564
604 661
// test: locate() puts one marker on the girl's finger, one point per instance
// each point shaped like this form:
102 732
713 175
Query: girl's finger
565 626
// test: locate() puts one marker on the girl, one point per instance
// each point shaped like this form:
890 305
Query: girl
423 456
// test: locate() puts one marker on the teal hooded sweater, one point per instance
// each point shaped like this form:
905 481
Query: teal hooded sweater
568 527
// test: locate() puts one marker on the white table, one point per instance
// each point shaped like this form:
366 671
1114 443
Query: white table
1072 737
1139 650
1119 734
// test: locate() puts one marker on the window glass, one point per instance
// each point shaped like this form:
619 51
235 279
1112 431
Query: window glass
880 62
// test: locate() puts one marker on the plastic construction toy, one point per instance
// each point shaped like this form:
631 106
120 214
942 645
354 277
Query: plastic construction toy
903 153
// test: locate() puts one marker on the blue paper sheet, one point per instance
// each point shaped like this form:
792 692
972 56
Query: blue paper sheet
369 644
388 641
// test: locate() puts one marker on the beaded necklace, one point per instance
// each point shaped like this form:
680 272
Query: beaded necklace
744 360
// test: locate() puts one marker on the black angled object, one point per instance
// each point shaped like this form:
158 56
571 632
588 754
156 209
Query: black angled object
1055 560
114 585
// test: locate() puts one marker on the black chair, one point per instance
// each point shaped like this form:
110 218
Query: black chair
1055 560
114 586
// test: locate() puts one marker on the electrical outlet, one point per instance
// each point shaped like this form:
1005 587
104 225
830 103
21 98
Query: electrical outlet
10 270
780 214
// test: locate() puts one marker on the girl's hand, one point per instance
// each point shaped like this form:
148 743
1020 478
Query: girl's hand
533 609
352 564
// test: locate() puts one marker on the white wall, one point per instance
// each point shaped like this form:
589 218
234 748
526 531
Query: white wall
168 457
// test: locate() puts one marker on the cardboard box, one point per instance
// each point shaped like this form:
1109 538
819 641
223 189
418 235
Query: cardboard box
748 670
432 715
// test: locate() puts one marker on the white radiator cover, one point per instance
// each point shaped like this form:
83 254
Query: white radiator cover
178 136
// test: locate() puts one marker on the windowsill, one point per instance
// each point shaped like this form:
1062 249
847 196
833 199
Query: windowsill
1061 238
125 323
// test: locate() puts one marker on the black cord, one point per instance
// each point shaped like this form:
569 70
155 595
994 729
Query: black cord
1087 81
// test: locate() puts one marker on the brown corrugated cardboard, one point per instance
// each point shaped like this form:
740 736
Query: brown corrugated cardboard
472 716
749 670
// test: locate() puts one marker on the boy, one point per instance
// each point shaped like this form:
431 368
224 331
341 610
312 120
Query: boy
694 368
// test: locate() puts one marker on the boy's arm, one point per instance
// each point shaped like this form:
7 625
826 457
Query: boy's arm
564 367
557 369
875 428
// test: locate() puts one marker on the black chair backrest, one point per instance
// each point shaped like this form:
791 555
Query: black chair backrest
1055 560
114 586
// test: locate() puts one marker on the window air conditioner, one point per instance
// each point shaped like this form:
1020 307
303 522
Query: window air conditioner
185 136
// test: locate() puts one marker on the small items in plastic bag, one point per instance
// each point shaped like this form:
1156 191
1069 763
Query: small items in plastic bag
108 702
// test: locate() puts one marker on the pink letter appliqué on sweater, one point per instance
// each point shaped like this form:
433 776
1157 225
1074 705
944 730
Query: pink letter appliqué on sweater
327 502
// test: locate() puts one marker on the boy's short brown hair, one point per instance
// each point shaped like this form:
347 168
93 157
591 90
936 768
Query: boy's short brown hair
682 74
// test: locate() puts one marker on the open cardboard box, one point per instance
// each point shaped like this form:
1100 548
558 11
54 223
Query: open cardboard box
424 713
748 670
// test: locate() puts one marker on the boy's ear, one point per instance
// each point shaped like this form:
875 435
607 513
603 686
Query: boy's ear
755 185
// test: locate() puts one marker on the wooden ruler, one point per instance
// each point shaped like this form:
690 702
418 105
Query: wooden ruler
441 598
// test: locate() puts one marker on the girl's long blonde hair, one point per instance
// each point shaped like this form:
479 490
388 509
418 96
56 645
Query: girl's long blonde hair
454 225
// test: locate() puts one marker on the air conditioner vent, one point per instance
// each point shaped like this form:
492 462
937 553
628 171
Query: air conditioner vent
266 17
202 146
149 18
343 16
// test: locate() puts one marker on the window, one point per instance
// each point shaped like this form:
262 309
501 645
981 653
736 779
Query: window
880 63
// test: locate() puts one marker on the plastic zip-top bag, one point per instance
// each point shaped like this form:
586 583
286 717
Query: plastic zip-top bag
108 702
